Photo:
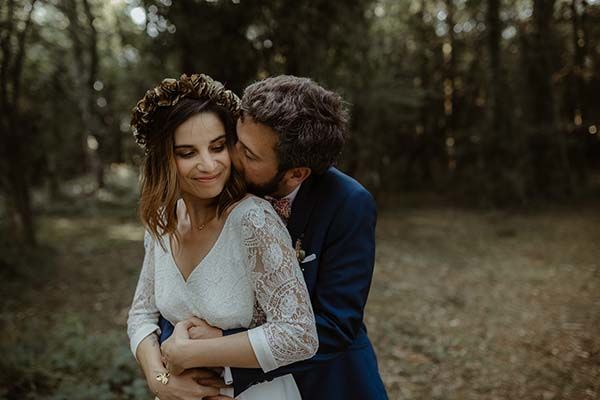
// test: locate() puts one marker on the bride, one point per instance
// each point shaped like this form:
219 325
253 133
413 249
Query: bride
211 251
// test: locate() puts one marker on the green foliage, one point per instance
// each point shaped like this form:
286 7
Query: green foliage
62 359
16 260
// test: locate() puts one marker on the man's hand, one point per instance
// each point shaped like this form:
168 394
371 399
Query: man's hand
200 329
184 387
211 377
173 349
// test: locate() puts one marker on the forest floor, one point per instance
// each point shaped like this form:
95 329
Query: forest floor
464 305
488 305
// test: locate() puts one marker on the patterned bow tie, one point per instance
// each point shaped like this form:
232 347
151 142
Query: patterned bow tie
283 207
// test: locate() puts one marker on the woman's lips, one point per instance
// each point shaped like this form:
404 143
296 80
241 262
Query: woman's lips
207 179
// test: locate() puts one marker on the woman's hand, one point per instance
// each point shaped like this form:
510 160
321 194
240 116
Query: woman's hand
174 349
183 387
200 329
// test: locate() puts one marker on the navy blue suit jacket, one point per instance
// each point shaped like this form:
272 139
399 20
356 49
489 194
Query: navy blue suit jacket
333 217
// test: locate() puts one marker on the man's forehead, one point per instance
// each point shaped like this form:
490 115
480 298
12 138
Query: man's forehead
253 133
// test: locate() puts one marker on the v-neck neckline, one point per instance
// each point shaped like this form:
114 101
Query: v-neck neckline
208 254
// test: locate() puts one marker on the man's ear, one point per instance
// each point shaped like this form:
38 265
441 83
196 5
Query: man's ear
295 176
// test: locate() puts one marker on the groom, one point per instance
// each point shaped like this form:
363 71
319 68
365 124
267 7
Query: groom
289 136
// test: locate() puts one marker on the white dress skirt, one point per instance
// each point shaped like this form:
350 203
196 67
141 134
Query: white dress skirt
249 279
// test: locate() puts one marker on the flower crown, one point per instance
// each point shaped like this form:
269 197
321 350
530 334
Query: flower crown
170 91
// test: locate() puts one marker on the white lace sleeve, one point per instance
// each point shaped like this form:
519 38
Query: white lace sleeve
143 314
289 333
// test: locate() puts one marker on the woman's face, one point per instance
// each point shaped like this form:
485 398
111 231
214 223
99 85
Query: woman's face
201 156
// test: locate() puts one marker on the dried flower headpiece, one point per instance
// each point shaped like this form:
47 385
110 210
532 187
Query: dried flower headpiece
170 91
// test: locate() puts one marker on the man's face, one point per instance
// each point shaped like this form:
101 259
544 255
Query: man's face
256 157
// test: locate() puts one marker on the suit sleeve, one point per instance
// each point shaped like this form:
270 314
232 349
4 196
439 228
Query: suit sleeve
340 295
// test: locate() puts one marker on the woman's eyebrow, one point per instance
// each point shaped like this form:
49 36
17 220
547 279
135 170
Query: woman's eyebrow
179 146
218 138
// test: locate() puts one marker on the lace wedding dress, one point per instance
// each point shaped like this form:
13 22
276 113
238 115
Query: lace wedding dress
249 279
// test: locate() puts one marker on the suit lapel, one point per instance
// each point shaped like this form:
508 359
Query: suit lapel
302 208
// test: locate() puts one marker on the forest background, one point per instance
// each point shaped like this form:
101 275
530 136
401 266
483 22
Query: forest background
475 123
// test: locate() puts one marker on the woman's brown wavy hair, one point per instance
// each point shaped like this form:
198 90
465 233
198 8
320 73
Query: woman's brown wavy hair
159 184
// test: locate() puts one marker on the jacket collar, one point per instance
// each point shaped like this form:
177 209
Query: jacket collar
302 207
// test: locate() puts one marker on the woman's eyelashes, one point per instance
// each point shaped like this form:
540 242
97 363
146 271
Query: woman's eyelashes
187 154
217 148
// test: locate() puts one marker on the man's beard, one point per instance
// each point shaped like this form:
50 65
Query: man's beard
266 189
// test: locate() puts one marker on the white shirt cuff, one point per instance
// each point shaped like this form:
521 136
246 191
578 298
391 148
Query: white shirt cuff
227 376
262 351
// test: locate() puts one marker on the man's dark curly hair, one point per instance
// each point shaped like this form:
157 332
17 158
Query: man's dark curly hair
311 122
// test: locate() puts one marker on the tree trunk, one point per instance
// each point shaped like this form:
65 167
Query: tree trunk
552 162
84 76
542 63
92 77
579 47
449 50
425 140
14 167
497 79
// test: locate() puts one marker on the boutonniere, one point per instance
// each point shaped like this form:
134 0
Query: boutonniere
300 253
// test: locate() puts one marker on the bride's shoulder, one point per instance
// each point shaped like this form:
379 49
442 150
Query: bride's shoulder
249 201
251 208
